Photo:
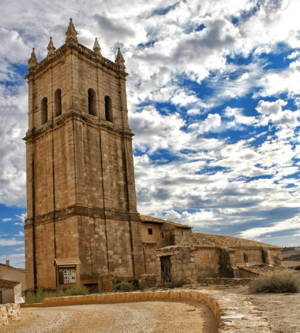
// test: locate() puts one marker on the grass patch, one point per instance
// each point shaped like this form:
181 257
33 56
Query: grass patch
276 283
73 291
36 298
123 286
41 295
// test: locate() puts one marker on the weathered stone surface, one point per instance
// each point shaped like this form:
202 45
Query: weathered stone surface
80 177
9 312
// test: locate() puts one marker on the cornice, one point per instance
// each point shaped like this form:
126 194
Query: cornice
76 115
77 210
82 51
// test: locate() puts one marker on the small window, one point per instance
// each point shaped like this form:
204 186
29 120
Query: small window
92 102
44 111
181 233
162 235
108 109
57 102
150 231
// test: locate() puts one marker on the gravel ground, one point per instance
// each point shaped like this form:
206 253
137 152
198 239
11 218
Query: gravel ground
281 310
143 317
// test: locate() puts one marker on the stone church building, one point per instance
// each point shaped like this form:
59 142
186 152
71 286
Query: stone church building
83 226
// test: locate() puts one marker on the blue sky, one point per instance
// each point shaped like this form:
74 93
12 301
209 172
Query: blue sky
213 98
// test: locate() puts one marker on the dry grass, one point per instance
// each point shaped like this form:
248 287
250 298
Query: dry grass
287 282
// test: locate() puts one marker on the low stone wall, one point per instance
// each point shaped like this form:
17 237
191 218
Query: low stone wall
8 313
224 281
245 272
234 313
147 281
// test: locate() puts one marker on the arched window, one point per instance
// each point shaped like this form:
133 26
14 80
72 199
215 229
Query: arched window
44 111
92 102
108 109
57 102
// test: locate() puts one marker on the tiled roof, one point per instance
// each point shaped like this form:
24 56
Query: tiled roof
146 218
19 269
211 240
8 284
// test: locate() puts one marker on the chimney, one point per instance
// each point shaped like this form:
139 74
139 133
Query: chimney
7 263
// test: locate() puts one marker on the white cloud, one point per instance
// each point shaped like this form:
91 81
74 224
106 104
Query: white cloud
270 108
10 242
193 112
211 123
272 111
20 234
289 224
239 118
22 217
6 219
13 256
293 55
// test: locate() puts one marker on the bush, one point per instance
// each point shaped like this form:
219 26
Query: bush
41 295
276 283
80 290
123 286
174 284
36 298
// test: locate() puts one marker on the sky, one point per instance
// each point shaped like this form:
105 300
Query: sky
213 97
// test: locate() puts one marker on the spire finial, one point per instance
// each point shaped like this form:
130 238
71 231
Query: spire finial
97 48
51 48
71 34
120 60
32 61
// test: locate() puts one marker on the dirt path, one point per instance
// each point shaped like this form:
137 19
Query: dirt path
143 317
281 310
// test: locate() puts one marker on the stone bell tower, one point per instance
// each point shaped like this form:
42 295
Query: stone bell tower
82 220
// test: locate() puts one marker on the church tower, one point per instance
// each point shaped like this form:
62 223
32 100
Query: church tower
82 222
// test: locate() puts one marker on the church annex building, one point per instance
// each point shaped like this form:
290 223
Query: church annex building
83 226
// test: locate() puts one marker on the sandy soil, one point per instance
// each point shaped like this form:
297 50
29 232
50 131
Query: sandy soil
143 317
281 310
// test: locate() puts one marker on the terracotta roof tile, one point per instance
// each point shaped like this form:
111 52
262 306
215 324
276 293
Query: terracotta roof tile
211 240
146 218
8 284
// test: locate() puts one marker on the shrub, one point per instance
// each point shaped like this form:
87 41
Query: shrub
174 284
123 286
80 290
36 298
276 283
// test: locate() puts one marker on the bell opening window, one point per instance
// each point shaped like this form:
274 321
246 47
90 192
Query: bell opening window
150 231
44 111
92 102
57 101
108 109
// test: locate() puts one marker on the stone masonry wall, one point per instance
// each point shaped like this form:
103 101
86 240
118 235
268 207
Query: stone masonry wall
80 173
207 262
8 313
182 262
150 258
183 236
255 256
